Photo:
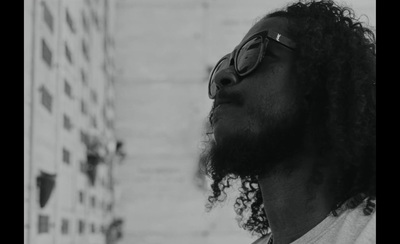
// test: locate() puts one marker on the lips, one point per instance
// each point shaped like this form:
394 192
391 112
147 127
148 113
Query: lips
220 109
225 104
219 102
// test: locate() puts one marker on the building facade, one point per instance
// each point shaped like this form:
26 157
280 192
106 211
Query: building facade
70 149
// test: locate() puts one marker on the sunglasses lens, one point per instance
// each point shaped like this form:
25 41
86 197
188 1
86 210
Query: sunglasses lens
248 55
212 87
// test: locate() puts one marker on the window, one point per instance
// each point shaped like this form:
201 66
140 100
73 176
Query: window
83 77
43 225
94 122
104 113
67 89
45 183
67 123
84 137
85 22
104 67
85 50
66 156
81 226
46 98
95 19
81 197
111 103
68 54
93 96
83 167
69 21
64 226
109 124
47 16
93 201
84 108
46 53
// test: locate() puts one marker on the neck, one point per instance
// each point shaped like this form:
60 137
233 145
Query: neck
291 206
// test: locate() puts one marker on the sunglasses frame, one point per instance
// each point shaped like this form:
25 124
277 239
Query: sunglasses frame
265 36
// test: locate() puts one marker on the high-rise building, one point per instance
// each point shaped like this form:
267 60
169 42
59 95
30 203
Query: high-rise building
69 142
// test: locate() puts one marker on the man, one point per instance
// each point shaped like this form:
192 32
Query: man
294 120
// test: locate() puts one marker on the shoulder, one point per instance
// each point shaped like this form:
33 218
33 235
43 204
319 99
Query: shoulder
262 240
351 226
366 233
359 227
357 217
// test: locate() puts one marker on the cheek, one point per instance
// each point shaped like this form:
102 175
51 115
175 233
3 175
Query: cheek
273 97
267 93
277 88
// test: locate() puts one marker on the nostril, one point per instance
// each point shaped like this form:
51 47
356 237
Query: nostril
225 82
226 77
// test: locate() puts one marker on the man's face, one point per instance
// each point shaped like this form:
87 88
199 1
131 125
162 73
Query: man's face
262 117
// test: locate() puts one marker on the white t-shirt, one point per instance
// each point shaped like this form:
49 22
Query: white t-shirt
352 226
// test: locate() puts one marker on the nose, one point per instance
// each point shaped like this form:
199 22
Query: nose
226 77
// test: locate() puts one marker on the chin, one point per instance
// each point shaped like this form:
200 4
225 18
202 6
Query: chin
224 130
245 149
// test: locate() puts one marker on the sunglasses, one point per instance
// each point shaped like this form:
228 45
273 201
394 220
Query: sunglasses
247 56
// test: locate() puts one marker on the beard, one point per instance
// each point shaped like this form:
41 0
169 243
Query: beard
250 154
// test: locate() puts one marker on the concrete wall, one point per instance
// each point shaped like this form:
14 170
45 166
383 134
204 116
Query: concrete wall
161 108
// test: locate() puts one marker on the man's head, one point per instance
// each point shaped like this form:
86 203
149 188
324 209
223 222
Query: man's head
318 93
257 118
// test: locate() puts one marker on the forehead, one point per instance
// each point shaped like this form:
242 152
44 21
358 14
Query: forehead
277 24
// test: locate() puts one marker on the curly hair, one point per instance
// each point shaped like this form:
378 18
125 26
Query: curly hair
335 65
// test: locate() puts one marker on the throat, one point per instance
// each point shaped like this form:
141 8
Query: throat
291 206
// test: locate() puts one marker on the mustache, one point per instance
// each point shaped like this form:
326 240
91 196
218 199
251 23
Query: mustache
234 97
